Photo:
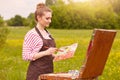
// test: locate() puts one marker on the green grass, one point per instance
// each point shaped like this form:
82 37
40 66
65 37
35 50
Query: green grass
12 67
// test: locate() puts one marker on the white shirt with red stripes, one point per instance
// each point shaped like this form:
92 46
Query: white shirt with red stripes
31 45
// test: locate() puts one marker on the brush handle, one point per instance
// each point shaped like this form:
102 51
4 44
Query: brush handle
57 48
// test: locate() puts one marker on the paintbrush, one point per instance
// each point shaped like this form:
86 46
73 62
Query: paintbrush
57 48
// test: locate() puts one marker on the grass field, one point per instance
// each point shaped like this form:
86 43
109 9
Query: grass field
12 67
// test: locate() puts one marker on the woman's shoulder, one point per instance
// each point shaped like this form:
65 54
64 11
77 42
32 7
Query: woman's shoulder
32 38
31 32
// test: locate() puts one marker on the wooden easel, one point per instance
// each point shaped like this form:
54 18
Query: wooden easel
95 61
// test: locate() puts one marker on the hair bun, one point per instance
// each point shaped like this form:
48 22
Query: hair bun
40 5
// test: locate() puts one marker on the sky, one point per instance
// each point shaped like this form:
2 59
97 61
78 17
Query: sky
10 8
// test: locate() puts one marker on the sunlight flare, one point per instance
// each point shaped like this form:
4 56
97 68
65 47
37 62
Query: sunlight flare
80 0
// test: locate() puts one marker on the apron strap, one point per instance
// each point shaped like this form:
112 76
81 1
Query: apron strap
38 32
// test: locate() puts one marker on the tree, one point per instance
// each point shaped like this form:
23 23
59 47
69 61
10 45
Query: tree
16 21
116 5
31 20
3 32
84 16
1 21
3 36
50 2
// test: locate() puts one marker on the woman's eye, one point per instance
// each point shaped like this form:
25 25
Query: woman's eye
48 18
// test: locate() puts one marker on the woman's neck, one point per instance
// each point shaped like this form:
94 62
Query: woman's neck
42 31
40 27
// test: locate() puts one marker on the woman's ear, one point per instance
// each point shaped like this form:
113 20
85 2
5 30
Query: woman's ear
38 18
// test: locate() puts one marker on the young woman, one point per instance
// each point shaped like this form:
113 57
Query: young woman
39 45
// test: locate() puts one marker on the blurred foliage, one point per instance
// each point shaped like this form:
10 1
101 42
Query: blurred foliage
3 35
50 2
84 16
80 15
16 21
114 3
1 21
31 20
3 32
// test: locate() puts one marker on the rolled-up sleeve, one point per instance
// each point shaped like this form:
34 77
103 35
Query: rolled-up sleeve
31 45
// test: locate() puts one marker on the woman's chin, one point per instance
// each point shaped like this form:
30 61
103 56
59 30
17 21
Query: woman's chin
47 25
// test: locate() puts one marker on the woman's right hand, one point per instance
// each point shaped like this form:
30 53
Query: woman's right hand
51 51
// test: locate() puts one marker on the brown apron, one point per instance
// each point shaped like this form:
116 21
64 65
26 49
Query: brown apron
44 64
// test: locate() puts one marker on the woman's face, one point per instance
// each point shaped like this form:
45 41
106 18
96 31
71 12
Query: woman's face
45 20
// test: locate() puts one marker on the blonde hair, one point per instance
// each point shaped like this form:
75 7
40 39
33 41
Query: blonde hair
40 9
